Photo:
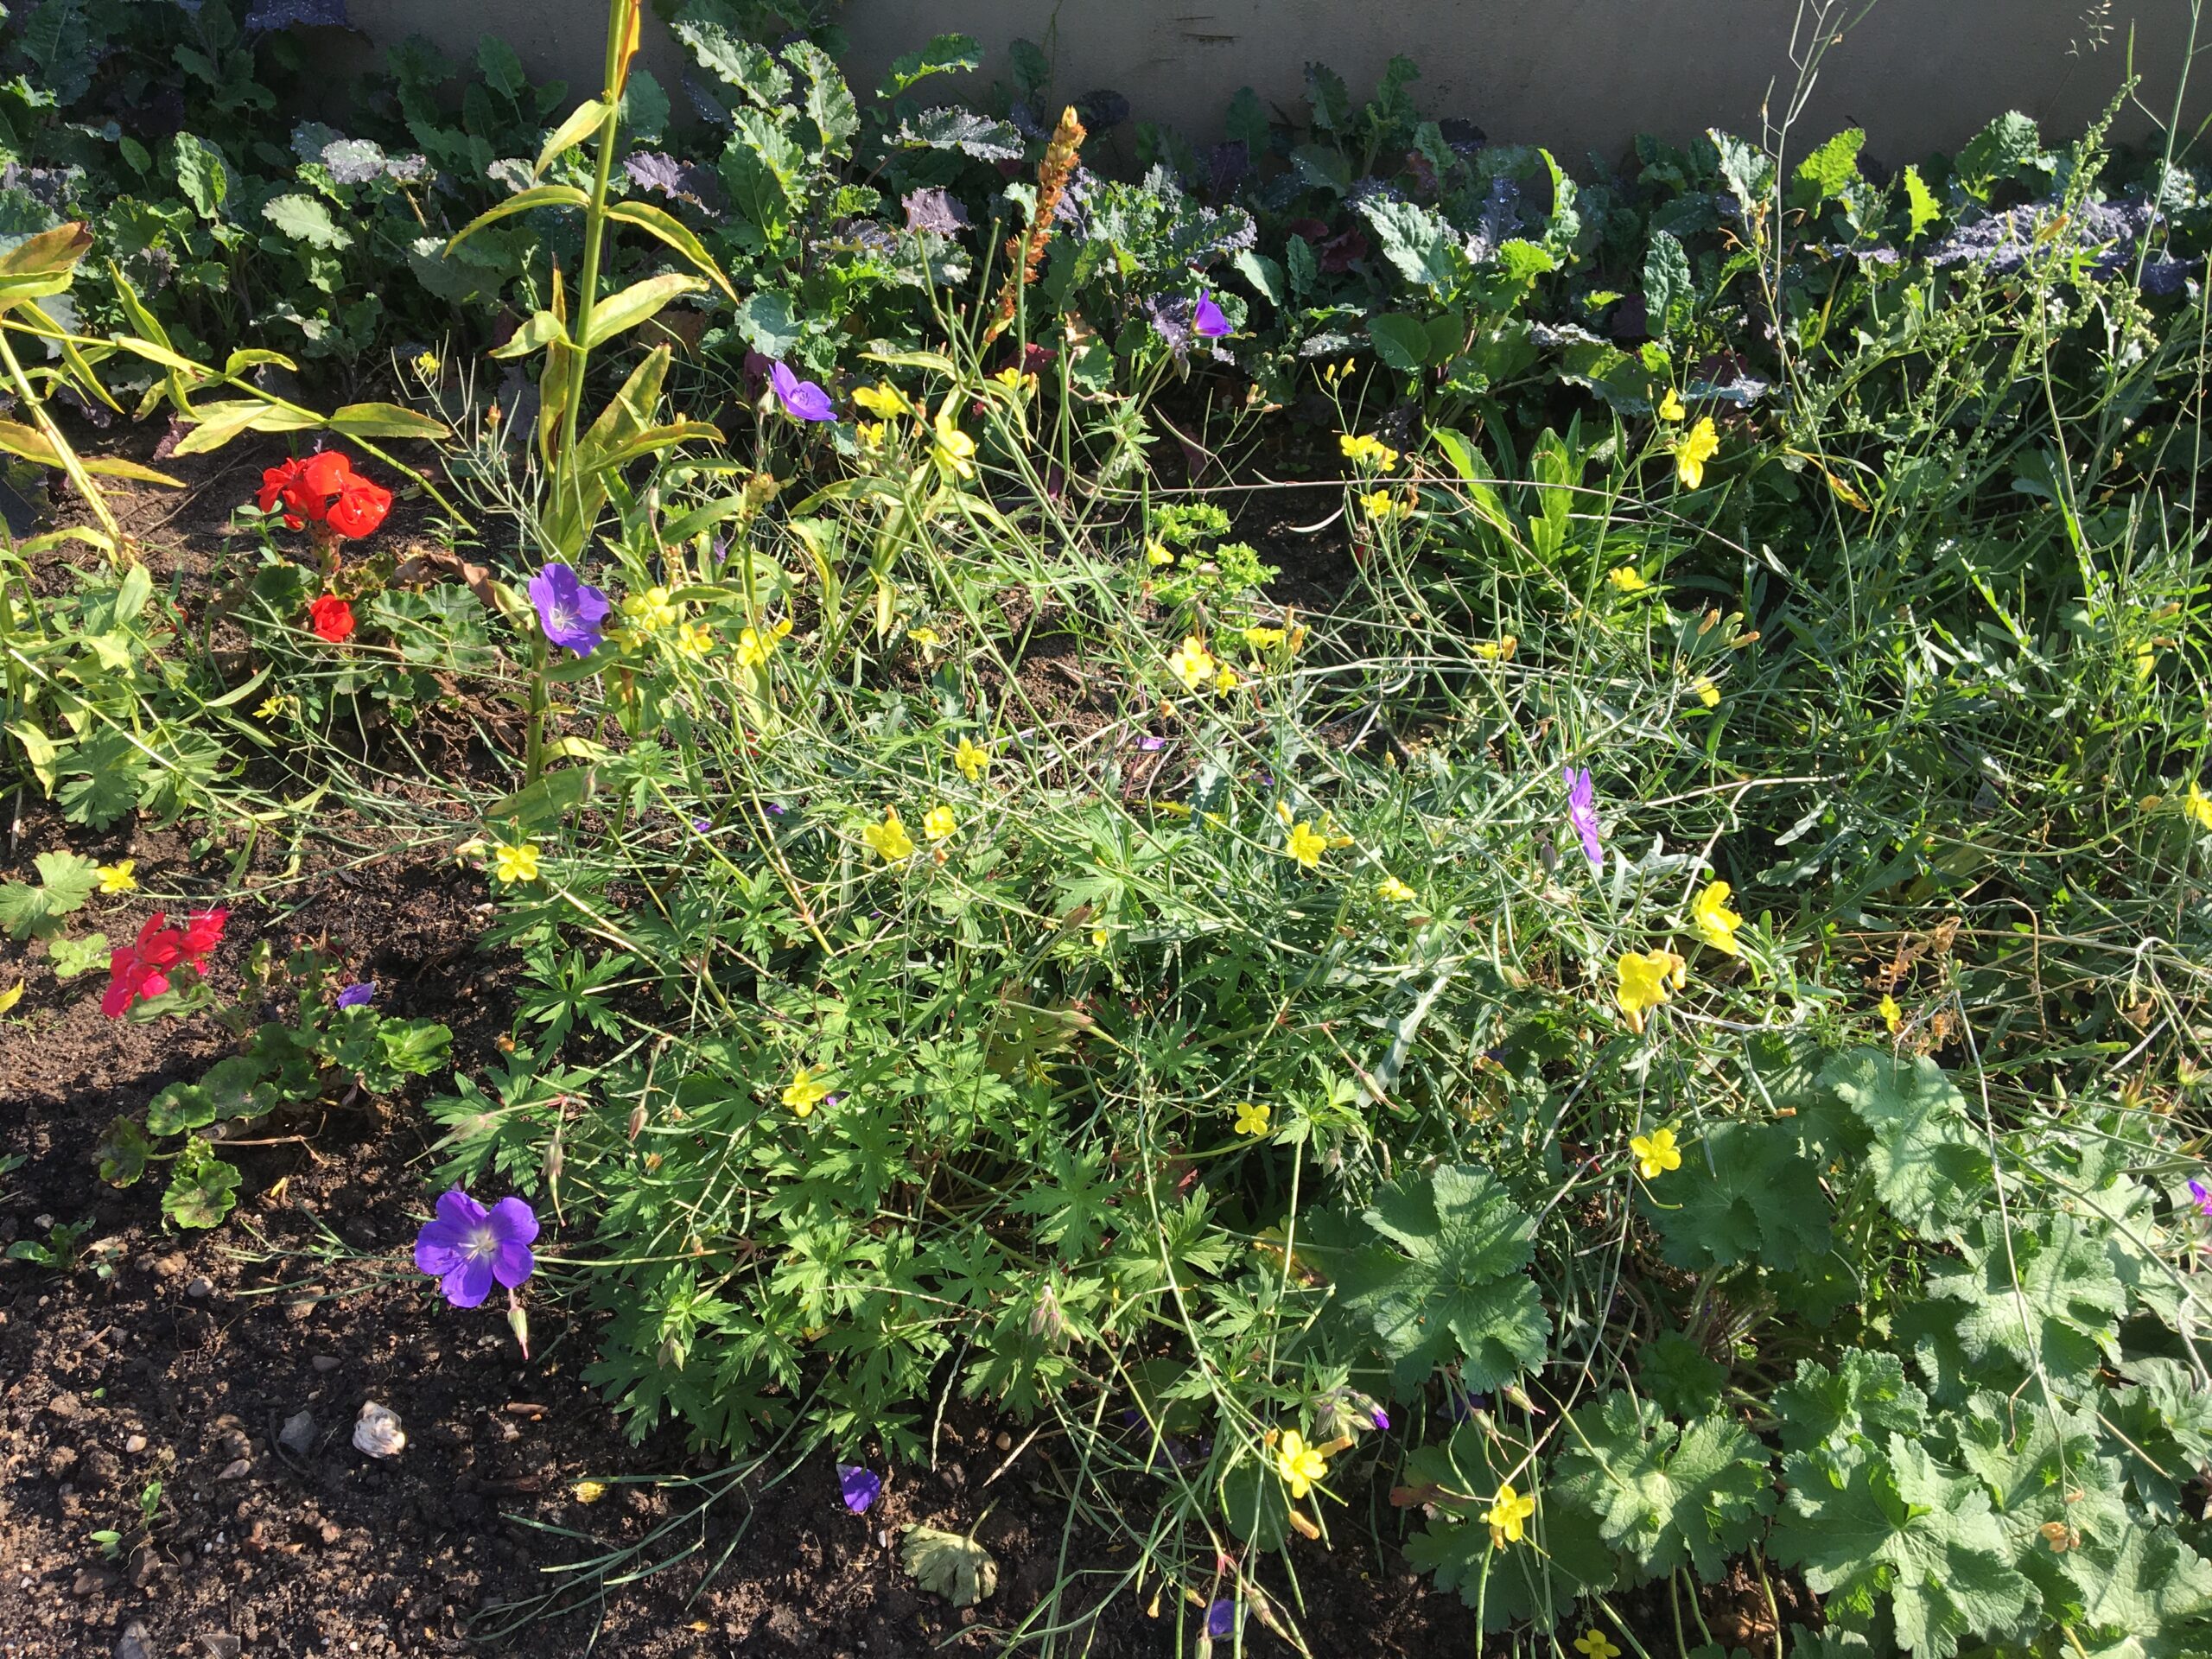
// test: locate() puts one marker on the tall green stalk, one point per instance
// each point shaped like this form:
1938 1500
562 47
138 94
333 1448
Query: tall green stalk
618 30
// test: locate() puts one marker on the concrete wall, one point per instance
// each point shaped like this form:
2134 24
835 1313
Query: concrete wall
1574 75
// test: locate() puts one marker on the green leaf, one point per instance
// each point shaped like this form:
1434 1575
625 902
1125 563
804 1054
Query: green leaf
2040 1468
66 881
305 219
766 320
961 130
202 1187
2162 1427
946 1564
827 100
1329 97
580 123
1930 1165
2008 147
1823 176
502 68
1563 1560
1745 1194
2148 1595
2041 1302
658 222
239 1087
385 420
1920 203
543 195
69 957
946 55
1865 1397
1459 1291
1418 242
1664 1493
1667 282
645 108
179 1110
201 176
619 312
1867 1525
1262 273
1400 341
735 61
123 1152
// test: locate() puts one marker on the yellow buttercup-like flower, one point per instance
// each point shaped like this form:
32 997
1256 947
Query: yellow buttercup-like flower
1191 663
426 365
1251 1119
883 401
1306 845
889 839
1382 506
1692 449
955 451
925 639
117 877
1671 407
1015 381
693 639
1593 1643
1262 639
1299 1463
1654 1154
971 760
1628 579
871 434
756 645
1366 451
1708 692
1498 650
1395 891
1225 680
805 1091
1644 978
1156 553
1508 1516
588 1491
651 611
1716 923
515 863
938 823
1892 1015
2198 806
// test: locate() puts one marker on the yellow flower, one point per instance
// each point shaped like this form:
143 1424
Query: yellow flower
756 645
1299 1464
938 822
1015 381
1643 979
1628 579
1191 663
1264 639
954 450
971 760
1692 451
1306 845
1381 506
1656 1152
693 639
1156 553
1494 651
272 707
1225 680
871 434
1395 891
1708 692
427 366
889 838
1716 923
1593 1642
1365 451
651 611
2198 806
588 1491
1251 1119
515 863
805 1091
1892 1015
883 401
926 638
1671 408
1508 1516
11 996
117 877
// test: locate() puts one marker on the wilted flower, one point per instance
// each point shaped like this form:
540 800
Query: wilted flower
377 1431
926 639
802 400
1654 1154
1582 812
860 1487
1696 446
466 1247
1716 923
358 996
569 609
331 618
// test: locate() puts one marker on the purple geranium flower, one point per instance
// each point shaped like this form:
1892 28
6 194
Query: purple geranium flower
569 609
1380 1417
802 399
861 1486
1221 1618
358 996
1207 320
2197 1191
468 1246
1582 813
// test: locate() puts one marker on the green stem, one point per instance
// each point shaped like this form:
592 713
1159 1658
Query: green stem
594 242
534 733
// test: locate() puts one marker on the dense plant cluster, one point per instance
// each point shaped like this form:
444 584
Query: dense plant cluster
1655 1013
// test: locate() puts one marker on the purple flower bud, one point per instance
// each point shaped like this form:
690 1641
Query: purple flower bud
802 400
1582 813
358 996
860 1486
1221 1618
1207 320
2197 1191
1381 1418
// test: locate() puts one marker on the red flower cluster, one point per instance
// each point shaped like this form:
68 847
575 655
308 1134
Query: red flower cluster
141 970
324 489
331 617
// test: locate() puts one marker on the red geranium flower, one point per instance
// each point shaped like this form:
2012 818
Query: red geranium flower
360 507
325 489
203 930
332 618
140 969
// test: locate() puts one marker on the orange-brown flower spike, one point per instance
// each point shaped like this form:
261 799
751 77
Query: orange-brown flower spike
1027 253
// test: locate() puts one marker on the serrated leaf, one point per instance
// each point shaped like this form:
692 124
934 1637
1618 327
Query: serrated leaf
2162 1431
1664 1493
1867 1525
1459 1292
827 99
1823 176
1666 281
735 61
202 1187
66 881
1418 242
1745 1194
945 54
946 1564
1866 1397
68 957
2033 1302
1920 204
961 130
1400 341
123 1152
200 174
1930 1165
2040 1468
2146 1596
305 220
179 1110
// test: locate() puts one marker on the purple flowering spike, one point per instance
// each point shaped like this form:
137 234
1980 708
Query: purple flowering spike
802 399
1582 813
358 996
1221 1618
468 1246
2203 1197
569 609
1207 320
861 1486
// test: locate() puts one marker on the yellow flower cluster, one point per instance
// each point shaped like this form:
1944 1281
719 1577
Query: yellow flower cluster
1365 451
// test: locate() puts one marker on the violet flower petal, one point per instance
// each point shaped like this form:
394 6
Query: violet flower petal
1207 320
467 1285
358 996
860 1486
802 400
1221 1618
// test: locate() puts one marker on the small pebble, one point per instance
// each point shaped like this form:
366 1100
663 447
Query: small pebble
377 1431
200 1288
135 1444
134 1643
237 1469
298 1434
325 1362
